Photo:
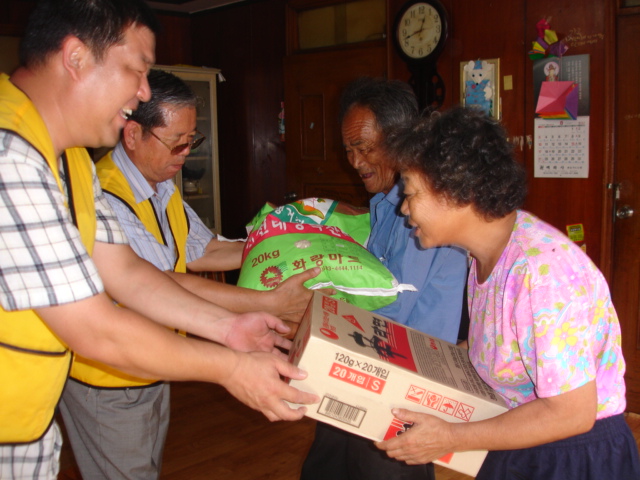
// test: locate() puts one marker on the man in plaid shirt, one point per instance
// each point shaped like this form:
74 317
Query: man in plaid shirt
63 255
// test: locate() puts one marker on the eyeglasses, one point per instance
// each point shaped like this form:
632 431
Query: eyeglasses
193 144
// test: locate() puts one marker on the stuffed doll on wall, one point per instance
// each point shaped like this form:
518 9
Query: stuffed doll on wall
478 85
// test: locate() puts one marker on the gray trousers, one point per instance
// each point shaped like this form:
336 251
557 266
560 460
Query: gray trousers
116 434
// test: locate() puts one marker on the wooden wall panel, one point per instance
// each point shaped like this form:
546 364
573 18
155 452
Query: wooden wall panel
584 27
317 163
505 29
173 44
246 41
266 92
214 48
475 36
13 16
312 139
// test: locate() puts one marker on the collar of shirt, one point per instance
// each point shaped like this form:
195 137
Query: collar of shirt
139 185
380 206
394 197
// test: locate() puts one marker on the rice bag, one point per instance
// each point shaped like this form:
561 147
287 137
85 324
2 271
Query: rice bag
278 249
354 221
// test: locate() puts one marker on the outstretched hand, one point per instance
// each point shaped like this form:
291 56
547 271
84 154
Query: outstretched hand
291 298
256 382
257 331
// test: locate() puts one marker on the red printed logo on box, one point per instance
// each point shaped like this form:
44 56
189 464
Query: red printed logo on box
433 400
464 412
415 394
396 427
353 321
330 305
329 334
448 406
359 379
447 458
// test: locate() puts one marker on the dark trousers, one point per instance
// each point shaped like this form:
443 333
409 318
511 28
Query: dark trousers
607 452
338 455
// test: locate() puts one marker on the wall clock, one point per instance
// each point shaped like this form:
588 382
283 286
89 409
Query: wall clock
420 32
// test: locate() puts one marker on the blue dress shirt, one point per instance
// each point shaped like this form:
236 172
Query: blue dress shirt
439 274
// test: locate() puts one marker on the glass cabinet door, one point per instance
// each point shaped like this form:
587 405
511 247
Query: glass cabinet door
198 181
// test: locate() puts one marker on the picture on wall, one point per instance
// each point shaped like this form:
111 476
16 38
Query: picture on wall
561 87
561 124
480 85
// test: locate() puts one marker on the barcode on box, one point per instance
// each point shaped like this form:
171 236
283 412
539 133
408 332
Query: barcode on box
345 413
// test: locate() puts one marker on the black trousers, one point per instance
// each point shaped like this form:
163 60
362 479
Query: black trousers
338 455
607 451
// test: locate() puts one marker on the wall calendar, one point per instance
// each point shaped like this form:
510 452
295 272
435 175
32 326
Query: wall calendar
561 148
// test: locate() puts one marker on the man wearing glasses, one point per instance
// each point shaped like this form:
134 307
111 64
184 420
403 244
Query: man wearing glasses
117 423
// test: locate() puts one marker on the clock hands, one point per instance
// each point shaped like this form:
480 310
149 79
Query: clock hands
420 29
417 31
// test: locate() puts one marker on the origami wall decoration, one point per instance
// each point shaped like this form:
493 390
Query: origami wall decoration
558 100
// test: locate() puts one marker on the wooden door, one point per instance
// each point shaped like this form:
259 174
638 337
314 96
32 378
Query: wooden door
316 163
626 230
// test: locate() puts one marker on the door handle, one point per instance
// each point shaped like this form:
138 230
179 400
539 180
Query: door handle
290 197
624 211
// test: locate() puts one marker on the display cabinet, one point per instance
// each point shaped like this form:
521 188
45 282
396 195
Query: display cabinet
198 181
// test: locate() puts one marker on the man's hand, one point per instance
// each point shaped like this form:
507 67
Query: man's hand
289 300
257 331
291 297
255 381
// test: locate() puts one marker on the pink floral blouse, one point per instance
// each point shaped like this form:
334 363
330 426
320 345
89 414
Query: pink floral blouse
543 323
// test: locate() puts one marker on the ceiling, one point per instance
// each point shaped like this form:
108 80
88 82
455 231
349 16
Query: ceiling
189 6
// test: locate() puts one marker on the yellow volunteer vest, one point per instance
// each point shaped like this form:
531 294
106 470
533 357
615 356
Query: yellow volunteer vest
34 363
113 181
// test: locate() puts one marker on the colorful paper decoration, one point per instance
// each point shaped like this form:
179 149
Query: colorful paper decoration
558 100
547 42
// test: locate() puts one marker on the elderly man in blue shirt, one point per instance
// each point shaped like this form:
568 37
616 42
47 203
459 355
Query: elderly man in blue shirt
369 110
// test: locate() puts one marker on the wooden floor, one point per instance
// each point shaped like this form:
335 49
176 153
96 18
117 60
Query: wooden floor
212 436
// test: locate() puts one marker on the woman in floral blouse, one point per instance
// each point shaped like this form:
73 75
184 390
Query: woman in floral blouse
544 333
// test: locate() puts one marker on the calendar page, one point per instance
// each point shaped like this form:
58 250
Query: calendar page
561 148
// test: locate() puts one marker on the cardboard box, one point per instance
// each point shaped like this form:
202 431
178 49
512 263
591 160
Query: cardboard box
361 365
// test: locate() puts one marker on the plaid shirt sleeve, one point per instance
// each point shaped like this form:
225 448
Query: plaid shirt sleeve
42 259
109 229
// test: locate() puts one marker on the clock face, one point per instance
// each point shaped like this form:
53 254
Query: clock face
419 31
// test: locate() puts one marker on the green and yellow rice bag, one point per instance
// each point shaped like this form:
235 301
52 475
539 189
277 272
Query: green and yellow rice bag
278 248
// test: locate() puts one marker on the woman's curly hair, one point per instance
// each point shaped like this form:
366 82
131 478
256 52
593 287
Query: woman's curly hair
466 157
